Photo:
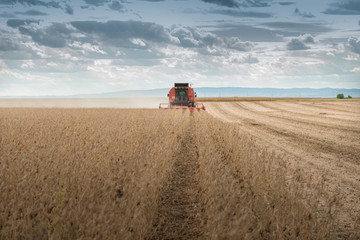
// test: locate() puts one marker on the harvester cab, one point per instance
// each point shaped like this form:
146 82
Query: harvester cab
181 96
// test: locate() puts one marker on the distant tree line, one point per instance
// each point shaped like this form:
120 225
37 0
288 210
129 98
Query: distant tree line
341 96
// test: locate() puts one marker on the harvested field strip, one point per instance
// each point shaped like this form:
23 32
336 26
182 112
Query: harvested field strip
325 134
333 108
337 106
293 133
179 206
269 133
330 117
283 112
342 177
334 114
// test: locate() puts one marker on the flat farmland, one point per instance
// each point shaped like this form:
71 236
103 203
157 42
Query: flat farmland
240 170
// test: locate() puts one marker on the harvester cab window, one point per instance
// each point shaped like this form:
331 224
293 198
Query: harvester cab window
181 95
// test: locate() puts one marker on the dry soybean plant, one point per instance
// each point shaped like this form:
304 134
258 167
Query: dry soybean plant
68 174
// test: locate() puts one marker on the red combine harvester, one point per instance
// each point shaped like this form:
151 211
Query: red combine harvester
181 96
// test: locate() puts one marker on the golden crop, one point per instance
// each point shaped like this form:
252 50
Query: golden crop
107 174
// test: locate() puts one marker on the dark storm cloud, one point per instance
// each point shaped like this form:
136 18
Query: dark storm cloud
226 3
15 23
354 44
299 27
347 7
286 3
32 13
297 12
237 13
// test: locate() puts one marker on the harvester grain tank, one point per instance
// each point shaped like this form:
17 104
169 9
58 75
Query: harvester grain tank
181 96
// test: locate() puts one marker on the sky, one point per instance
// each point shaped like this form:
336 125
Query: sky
65 47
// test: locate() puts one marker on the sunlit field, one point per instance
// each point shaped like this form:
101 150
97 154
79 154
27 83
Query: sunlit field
254 170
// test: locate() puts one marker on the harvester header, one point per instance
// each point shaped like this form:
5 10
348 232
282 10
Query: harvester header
181 96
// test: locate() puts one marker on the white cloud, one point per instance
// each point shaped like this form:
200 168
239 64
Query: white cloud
28 64
87 47
138 42
356 69
40 51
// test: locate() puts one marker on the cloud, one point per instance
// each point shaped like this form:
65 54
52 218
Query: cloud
347 7
237 4
32 13
286 3
69 9
299 42
190 37
115 31
249 33
307 38
236 43
256 3
116 6
7 15
87 47
354 44
299 27
297 12
15 23
8 44
226 3
356 69
237 13
47 4
96 3
52 4
194 38
296 44
53 36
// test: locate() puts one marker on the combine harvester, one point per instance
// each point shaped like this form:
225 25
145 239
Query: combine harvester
181 96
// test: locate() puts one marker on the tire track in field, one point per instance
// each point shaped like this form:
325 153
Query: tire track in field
179 208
